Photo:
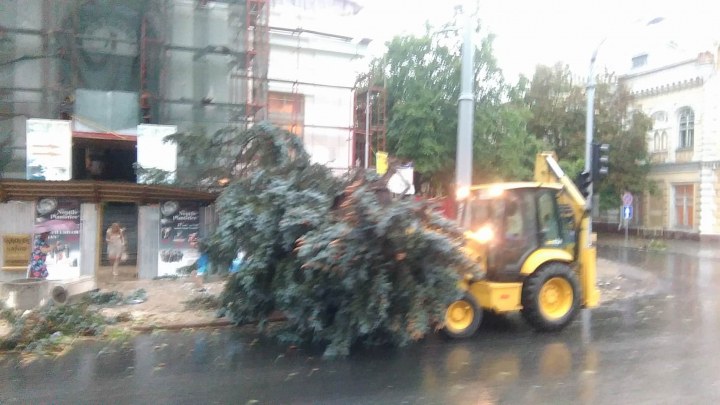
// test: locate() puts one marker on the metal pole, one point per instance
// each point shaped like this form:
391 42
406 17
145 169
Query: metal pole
626 231
466 109
589 117
367 127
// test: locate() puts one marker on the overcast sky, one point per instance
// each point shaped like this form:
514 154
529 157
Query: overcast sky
530 32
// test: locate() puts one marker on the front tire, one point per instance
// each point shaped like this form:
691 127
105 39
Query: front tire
463 317
551 297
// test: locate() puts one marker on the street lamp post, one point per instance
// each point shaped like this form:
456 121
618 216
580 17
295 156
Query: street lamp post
466 109
589 118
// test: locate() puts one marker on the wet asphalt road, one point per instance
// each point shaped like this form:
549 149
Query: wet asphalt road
659 349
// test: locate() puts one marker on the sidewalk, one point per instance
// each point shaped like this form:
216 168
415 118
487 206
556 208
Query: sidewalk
618 280
705 250
165 302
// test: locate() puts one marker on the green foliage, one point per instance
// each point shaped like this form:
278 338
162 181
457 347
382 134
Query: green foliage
558 104
205 301
658 245
115 298
342 261
46 329
422 77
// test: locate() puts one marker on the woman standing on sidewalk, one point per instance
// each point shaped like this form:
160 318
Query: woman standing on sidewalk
115 238
38 268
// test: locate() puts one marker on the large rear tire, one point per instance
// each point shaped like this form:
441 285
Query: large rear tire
463 317
551 297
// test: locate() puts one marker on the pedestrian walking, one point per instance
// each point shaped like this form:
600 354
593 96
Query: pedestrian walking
115 238
199 274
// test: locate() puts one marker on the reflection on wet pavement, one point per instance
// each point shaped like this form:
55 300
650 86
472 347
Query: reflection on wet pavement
658 348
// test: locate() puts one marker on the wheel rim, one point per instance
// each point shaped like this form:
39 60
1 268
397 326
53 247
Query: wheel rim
556 298
459 315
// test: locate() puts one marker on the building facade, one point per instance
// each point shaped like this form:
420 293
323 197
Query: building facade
194 65
683 99
89 88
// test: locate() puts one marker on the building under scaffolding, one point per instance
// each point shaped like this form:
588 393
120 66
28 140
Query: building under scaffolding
200 65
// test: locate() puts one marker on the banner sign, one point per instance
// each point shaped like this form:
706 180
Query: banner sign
179 231
153 152
16 251
49 150
63 261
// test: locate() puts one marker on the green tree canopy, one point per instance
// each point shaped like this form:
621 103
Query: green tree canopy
422 78
557 101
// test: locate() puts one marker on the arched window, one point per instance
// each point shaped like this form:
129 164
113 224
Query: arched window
686 128
656 142
664 141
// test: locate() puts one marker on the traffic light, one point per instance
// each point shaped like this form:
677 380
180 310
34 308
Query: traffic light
584 181
600 160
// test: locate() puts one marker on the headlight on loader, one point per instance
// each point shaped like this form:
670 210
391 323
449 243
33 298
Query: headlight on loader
483 235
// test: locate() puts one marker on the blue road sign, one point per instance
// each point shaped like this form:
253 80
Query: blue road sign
627 212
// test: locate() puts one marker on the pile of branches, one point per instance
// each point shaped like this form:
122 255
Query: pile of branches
46 329
116 298
343 261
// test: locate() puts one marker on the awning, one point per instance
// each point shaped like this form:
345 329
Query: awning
104 136
98 191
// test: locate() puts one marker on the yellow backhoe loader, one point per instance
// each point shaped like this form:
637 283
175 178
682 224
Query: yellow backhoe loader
531 240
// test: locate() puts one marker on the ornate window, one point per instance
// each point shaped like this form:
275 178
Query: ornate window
686 128
664 141
659 117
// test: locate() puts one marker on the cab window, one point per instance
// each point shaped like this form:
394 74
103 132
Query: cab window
550 234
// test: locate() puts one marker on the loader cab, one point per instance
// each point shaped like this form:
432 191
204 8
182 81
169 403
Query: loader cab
514 222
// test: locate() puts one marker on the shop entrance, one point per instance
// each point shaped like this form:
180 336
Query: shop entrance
125 215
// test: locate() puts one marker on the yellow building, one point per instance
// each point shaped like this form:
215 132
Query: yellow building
683 98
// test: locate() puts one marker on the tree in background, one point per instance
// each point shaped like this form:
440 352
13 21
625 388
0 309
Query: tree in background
558 104
422 78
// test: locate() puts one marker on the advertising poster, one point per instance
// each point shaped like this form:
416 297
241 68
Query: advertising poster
179 231
49 150
64 260
153 152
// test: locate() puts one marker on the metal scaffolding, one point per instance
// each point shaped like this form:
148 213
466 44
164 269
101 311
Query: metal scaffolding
168 53
370 127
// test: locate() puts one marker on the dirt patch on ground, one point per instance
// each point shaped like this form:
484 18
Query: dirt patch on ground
165 302
619 281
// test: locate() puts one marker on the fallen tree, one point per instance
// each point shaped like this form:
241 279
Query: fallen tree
343 261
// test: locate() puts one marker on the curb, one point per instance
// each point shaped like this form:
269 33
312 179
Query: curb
180 326
276 317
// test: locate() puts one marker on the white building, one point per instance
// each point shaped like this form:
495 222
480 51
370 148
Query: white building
314 60
683 98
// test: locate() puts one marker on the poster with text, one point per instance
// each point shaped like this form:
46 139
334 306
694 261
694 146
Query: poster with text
179 231
63 262
153 152
49 150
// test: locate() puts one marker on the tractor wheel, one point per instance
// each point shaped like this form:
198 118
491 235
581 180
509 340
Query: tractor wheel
463 317
551 297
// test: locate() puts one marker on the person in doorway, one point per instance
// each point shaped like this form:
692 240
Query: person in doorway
38 267
115 238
